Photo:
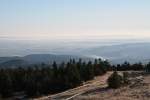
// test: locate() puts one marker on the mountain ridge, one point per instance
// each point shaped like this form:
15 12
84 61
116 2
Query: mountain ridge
38 59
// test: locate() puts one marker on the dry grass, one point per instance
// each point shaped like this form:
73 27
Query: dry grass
97 90
136 91
99 81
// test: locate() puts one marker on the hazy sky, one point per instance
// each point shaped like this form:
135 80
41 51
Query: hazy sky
77 19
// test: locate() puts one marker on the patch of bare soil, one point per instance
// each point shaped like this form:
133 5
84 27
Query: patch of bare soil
139 89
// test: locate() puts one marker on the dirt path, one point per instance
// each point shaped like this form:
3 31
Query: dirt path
99 81
138 90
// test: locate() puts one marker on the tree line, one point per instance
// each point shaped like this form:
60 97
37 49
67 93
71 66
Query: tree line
127 66
42 79
45 79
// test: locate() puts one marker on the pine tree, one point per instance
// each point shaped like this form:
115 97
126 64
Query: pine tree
115 80
5 84
89 71
73 75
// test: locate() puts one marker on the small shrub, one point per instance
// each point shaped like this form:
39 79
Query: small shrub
115 80
125 77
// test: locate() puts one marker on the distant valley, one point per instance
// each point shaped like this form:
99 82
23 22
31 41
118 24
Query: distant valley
131 52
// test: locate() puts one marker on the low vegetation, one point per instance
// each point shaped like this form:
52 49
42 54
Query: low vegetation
138 88
126 78
42 79
115 80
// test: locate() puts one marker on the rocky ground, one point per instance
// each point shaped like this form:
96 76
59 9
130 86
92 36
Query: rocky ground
138 89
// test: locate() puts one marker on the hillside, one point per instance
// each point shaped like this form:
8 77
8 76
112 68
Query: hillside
38 59
115 53
132 52
99 81
139 89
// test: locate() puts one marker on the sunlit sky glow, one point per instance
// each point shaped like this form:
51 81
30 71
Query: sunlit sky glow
74 19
